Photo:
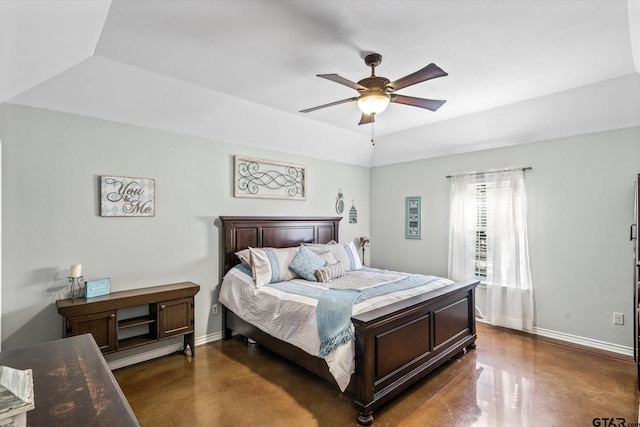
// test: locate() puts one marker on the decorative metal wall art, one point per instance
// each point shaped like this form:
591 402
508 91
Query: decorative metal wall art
413 218
268 179
124 196
353 213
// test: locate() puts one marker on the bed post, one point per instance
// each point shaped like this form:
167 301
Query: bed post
226 332
364 390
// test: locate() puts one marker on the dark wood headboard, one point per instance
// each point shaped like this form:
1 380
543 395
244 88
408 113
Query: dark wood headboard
240 232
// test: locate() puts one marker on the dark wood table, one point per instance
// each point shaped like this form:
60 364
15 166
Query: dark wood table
72 384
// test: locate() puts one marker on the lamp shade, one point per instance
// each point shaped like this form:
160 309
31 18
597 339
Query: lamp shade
373 102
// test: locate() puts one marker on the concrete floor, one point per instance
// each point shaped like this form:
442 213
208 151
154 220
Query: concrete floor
510 379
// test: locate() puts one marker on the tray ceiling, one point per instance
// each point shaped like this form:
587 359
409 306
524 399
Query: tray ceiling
519 71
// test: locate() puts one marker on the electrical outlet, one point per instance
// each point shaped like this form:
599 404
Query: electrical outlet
618 318
214 309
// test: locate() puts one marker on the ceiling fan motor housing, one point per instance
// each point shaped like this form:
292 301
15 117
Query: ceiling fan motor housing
374 83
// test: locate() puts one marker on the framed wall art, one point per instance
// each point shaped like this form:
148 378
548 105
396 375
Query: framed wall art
125 196
269 179
413 218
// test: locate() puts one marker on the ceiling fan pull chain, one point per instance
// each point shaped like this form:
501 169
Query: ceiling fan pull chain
373 142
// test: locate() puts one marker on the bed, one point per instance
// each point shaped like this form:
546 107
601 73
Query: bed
395 345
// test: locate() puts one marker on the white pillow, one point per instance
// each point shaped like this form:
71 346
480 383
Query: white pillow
327 256
344 253
356 264
270 265
245 257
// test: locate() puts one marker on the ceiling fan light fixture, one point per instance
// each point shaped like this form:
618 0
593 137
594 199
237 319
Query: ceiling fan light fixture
373 102
376 92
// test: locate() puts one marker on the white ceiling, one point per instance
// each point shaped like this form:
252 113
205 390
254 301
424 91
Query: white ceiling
240 71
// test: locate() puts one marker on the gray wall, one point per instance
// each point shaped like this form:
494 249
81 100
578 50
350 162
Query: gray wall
580 207
580 195
50 168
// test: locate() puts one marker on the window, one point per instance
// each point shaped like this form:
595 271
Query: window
480 259
488 241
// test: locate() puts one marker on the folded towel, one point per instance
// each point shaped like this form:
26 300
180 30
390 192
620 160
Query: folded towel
333 314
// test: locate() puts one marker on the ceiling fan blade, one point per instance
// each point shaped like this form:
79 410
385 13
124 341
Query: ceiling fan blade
308 110
367 118
429 104
339 79
431 71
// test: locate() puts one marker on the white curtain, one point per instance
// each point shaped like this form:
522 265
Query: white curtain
508 281
462 226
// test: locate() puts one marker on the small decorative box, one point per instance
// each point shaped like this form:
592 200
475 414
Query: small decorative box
96 288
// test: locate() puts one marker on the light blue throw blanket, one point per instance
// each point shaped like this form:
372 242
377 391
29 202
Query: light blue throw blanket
333 313
335 306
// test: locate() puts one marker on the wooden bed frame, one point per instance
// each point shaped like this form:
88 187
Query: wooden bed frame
396 345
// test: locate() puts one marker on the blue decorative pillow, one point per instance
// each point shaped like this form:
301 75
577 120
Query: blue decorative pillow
306 262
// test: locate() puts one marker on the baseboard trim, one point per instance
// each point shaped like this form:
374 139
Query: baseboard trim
574 341
601 347
143 356
217 336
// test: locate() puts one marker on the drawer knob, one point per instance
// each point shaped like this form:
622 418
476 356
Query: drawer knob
162 307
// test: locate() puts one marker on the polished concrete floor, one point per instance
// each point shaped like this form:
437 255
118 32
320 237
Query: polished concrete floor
510 379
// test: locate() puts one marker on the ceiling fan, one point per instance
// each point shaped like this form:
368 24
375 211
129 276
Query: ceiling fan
377 92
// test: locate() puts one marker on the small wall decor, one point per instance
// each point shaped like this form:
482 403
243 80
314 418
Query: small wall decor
268 179
353 213
413 218
96 288
339 202
124 196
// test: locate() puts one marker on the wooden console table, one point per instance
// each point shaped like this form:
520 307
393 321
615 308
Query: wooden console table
72 384
127 319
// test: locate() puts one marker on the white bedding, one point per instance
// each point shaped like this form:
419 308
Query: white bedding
292 317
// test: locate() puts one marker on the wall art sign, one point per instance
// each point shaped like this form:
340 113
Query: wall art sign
413 218
268 179
97 288
125 196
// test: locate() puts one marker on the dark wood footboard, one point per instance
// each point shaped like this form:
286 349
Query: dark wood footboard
396 345
399 344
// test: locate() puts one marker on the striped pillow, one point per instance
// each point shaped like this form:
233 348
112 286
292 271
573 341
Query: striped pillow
328 272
